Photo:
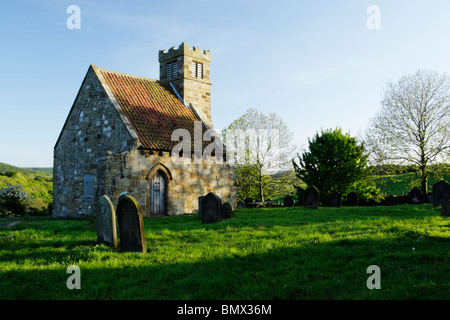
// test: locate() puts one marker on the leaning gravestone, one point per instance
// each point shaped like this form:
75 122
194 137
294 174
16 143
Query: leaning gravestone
335 199
441 193
106 221
226 212
445 209
312 198
352 199
415 196
211 205
288 201
131 224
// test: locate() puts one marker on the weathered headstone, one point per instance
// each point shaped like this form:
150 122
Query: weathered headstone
200 207
106 221
288 201
226 212
445 209
240 204
415 196
441 193
335 199
352 199
211 205
131 224
312 198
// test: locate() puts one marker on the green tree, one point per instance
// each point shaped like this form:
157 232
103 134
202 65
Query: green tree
334 162
412 126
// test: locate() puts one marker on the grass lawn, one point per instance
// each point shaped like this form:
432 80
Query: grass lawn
270 253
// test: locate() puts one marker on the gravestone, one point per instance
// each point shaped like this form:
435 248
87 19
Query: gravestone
312 198
445 209
415 196
288 201
211 205
226 212
301 197
441 193
131 224
240 204
390 201
352 199
335 199
200 207
403 199
106 221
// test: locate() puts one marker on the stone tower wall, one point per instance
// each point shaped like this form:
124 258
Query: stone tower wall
192 89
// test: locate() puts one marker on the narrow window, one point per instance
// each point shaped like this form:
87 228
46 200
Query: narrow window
88 185
200 70
169 70
172 70
197 70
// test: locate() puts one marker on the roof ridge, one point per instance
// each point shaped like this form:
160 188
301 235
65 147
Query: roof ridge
125 74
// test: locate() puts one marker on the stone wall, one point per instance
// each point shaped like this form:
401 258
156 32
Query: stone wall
129 172
93 131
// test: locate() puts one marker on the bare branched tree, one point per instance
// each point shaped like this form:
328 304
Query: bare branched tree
413 125
260 141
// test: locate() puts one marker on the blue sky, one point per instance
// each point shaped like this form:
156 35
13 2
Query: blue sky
314 63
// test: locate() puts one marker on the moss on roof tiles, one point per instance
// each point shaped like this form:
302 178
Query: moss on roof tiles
152 109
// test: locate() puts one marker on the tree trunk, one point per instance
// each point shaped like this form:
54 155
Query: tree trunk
261 191
424 186
424 177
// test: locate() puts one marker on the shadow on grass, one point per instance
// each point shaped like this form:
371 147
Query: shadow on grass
312 270
412 266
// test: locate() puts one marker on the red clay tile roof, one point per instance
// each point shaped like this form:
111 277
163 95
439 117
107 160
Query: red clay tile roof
152 108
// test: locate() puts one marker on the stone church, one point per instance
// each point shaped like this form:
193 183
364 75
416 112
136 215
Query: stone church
118 137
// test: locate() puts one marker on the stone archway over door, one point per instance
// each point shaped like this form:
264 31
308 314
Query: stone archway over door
158 194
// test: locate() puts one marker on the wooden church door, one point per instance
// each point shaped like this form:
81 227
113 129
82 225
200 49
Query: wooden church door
157 194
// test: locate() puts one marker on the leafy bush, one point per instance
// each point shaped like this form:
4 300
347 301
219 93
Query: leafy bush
10 173
13 200
335 162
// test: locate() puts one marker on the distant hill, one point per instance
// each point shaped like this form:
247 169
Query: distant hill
7 167
37 182
42 169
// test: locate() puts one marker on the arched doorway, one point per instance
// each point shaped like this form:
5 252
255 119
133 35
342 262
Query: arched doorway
159 177
158 192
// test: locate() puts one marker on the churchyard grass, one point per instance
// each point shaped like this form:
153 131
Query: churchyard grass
266 253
